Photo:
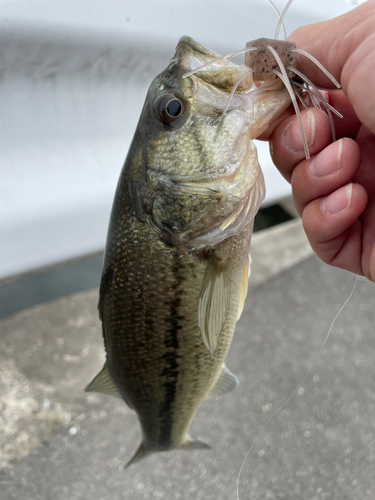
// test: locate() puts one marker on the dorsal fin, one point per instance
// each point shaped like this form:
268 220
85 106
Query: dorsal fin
213 302
104 383
225 383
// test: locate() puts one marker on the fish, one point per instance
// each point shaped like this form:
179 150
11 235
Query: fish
177 263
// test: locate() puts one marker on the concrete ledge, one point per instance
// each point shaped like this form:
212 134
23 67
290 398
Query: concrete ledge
58 442
277 249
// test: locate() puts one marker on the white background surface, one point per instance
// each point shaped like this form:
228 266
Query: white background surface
73 77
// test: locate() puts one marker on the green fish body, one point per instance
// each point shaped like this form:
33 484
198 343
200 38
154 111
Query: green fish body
177 255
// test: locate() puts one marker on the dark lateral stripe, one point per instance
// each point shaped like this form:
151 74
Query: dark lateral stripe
171 370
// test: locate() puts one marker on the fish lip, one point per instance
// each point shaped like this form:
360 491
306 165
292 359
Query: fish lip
191 55
192 45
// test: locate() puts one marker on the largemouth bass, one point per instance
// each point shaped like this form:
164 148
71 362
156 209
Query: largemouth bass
177 256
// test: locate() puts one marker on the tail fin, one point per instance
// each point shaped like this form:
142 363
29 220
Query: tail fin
138 455
195 444
189 444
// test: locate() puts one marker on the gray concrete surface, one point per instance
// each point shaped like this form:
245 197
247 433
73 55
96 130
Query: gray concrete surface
59 443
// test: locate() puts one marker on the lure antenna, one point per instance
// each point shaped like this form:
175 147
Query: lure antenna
281 20
298 88
316 92
279 17
320 66
229 100
329 109
233 91
284 78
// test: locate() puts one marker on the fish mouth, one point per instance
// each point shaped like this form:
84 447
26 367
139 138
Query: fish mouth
218 72
191 54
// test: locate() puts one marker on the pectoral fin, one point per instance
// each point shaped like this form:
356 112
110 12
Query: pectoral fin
244 286
104 384
225 383
213 302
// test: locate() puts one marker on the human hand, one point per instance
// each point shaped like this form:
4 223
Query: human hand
334 191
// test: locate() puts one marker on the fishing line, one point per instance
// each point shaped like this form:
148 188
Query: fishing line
265 426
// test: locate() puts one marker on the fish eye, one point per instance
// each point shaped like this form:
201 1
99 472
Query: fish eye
170 108
173 108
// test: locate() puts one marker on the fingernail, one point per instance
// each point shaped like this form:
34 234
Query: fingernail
338 201
293 138
324 164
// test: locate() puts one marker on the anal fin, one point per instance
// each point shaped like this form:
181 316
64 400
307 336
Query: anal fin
104 384
225 383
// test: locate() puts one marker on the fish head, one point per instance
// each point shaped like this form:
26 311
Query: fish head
194 174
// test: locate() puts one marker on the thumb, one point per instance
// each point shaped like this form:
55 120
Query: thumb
345 46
